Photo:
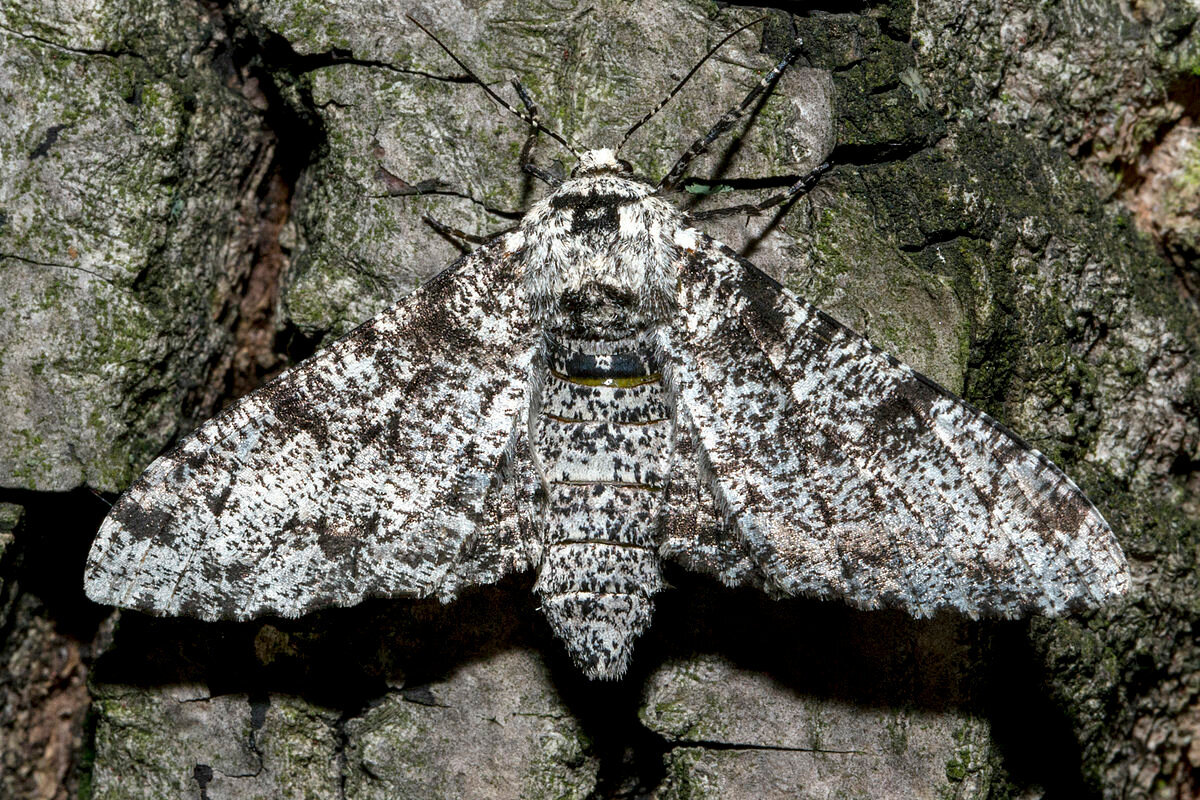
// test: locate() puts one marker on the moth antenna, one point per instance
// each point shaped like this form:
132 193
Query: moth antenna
532 121
727 120
678 86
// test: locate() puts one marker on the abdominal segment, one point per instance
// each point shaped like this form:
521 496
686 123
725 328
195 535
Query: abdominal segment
602 437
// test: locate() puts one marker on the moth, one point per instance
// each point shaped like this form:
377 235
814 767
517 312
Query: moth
599 390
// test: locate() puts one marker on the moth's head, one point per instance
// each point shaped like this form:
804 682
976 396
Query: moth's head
601 162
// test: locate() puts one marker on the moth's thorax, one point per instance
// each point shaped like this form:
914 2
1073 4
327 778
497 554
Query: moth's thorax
599 162
599 256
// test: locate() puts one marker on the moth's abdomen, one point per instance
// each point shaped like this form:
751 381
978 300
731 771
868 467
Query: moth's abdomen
603 440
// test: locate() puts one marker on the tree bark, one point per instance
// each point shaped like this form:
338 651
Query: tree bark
193 194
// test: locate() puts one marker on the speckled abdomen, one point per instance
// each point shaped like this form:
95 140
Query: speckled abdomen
602 436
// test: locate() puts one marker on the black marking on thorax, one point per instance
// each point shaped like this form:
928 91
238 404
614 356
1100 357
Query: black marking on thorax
592 212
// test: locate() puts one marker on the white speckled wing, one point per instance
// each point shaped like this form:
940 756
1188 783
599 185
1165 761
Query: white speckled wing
845 474
385 465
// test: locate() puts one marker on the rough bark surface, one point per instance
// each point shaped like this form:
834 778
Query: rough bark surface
193 192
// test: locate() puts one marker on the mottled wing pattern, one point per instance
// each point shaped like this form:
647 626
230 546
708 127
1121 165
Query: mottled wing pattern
507 527
695 532
376 468
847 474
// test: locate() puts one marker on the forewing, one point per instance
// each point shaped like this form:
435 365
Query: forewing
376 468
849 475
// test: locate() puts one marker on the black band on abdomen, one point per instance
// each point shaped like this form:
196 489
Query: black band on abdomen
570 362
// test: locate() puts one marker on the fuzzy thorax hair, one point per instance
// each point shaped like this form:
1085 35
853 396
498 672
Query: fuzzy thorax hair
599 253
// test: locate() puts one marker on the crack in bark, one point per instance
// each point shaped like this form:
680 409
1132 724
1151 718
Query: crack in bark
75 267
48 141
188 700
337 58
939 237
83 51
709 744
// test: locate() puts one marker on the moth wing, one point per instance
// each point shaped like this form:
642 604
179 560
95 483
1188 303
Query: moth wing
849 475
695 534
379 467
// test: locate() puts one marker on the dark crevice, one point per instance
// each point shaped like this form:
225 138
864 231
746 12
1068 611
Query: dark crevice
48 633
202 774
52 545
1142 167
48 140
260 703
883 88
865 155
1030 728
261 66
935 238
710 744
631 757
343 744
847 66
1185 465
1184 93
422 696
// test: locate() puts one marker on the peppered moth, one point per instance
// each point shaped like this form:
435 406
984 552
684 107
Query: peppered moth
599 390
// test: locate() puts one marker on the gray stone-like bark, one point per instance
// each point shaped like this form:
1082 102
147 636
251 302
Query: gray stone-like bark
121 170
494 728
963 228
181 740
739 733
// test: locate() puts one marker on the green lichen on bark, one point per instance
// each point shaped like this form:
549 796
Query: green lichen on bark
954 231
1062 299
180 737
876 110
493 728
121 196
391 102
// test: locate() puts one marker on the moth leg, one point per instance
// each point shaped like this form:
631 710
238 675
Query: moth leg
396 186
527 149
544 175
526 160
727 121
662 103
457 236
797 189
532 121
